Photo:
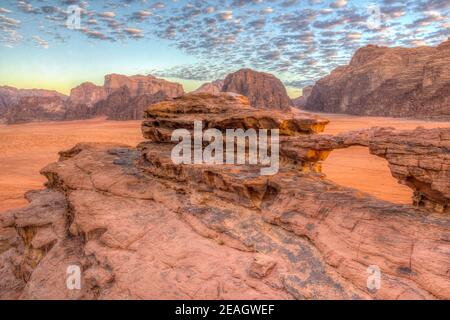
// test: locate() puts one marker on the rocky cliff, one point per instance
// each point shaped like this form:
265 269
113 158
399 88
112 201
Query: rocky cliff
10 96
262 89
36 108
395 82
88 94
124 215
139 85
121 105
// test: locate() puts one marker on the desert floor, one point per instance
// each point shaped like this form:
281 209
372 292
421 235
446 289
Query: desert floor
26 148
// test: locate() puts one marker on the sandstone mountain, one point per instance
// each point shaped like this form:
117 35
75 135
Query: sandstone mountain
300 102
120 98
139 85
122 105
10 96
262 89
141 227
210 87
395 82
87 93
29 109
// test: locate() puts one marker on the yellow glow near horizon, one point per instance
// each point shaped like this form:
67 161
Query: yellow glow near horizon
64 87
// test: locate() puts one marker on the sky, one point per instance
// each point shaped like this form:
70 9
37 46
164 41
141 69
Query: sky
58 44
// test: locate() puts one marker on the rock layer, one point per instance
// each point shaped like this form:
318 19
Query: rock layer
394 82
262 89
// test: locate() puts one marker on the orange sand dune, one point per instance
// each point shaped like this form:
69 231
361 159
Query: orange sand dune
26 148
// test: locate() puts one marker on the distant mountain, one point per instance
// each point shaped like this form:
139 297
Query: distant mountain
300 102
121 98
87 93
10 96
263 90
122 105
394 82
32 108
210 87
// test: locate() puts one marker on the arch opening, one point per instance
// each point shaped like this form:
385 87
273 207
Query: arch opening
356 168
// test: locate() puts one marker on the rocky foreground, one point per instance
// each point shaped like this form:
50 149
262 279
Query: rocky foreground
141 227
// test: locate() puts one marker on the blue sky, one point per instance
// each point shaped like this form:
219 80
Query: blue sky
196 41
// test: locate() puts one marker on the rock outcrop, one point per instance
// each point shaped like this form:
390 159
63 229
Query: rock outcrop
263 90
124 215
300 102
87 94
394 82
36 108
214 87
10 96
139 85
121 105
120 98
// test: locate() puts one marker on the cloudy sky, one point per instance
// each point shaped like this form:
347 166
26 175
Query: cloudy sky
43 44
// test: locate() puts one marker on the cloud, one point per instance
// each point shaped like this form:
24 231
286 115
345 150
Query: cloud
338 4
40 42
225 15
134 33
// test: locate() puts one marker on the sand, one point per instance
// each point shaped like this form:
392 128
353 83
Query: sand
26 148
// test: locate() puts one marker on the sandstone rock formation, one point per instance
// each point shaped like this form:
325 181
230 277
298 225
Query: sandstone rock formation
140 226
10 96
395 82
139 85
121 105
210 87
262 89
87 94
300 102
36 108
120 98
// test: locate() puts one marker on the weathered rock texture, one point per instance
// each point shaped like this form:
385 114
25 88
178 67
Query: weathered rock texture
395 82
262 89
300 102
88 94
214 87
140 226
121 105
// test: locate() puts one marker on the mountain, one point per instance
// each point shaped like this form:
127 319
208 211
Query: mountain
300 102
139 85
87 93
42 108
120 98
263 90
122 105
10 96
210 87
394 82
